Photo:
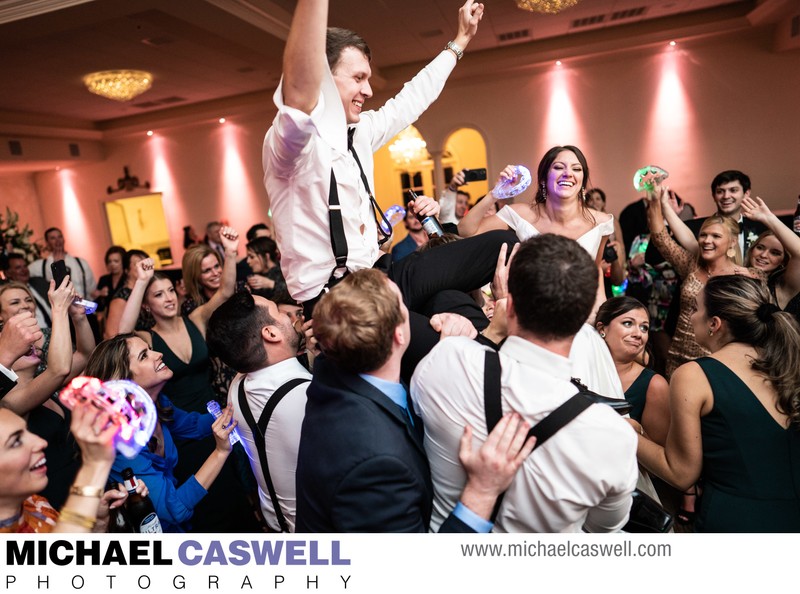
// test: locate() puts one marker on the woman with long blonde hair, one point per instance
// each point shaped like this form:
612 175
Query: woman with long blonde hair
714 253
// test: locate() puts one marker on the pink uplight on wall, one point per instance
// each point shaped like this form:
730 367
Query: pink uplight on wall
171 200
671 140
237 200
78 236
561 119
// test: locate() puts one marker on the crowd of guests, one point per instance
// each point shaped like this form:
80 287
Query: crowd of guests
340 435
473 382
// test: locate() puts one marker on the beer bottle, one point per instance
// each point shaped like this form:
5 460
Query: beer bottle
139 509
430 224
118 520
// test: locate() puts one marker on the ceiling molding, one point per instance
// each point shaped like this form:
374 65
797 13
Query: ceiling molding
267 16
17 10
771 11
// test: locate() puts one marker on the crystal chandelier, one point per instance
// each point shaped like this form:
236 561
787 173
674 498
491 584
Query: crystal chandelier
119 85
408 148
545 6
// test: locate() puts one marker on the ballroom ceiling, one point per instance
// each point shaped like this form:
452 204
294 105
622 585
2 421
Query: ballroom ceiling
205 50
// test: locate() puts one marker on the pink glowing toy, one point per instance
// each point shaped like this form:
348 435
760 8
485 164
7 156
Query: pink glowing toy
126 403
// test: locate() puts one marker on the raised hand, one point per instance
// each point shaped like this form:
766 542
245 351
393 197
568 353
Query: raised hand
500 280
509 173
94 432
230 240
145 269
670 199
457 181
469 15
61 297
756 209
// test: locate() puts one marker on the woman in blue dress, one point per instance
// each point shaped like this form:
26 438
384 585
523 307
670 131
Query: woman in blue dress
126 356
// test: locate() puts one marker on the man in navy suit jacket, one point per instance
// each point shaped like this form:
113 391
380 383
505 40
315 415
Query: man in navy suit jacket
361 465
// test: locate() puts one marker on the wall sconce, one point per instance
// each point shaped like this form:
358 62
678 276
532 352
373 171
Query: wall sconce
128 183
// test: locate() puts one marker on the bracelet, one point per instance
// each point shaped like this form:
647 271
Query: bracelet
451 45
86 491
72 517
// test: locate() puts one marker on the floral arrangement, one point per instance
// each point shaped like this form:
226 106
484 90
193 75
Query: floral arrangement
14 239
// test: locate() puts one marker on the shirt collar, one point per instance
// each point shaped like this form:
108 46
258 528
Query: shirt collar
395 391
527 353
290 367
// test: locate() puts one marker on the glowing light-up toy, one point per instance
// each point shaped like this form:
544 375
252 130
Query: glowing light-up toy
126 403
646 178
394 214
639 245
89 306
212 406
508 188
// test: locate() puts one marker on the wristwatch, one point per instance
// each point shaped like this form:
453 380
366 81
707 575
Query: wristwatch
451 45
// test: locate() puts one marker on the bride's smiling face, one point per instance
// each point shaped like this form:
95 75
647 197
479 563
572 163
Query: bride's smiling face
565 176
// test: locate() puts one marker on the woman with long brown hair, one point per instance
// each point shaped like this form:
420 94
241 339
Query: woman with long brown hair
736 414
559 206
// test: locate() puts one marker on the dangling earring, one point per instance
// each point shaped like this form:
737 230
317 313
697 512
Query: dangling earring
731 253
544 191
710 332
583 194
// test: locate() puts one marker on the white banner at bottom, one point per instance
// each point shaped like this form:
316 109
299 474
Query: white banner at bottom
370 563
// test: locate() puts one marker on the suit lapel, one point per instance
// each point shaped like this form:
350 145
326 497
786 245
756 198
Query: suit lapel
358 386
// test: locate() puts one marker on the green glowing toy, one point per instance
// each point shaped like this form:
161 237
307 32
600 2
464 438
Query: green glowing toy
646 178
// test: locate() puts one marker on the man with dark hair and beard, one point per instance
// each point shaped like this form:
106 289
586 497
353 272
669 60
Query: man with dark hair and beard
251 335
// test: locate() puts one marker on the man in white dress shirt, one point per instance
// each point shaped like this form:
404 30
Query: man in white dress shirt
80 273
581 478
318 166
250 334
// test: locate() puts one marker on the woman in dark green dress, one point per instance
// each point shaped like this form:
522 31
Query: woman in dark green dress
736 414
624 325
181 341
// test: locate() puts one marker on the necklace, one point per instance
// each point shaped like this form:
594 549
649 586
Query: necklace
10 521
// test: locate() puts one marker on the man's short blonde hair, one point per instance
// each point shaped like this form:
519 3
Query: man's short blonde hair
355 322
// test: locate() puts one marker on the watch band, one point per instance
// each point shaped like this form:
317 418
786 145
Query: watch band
451 45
